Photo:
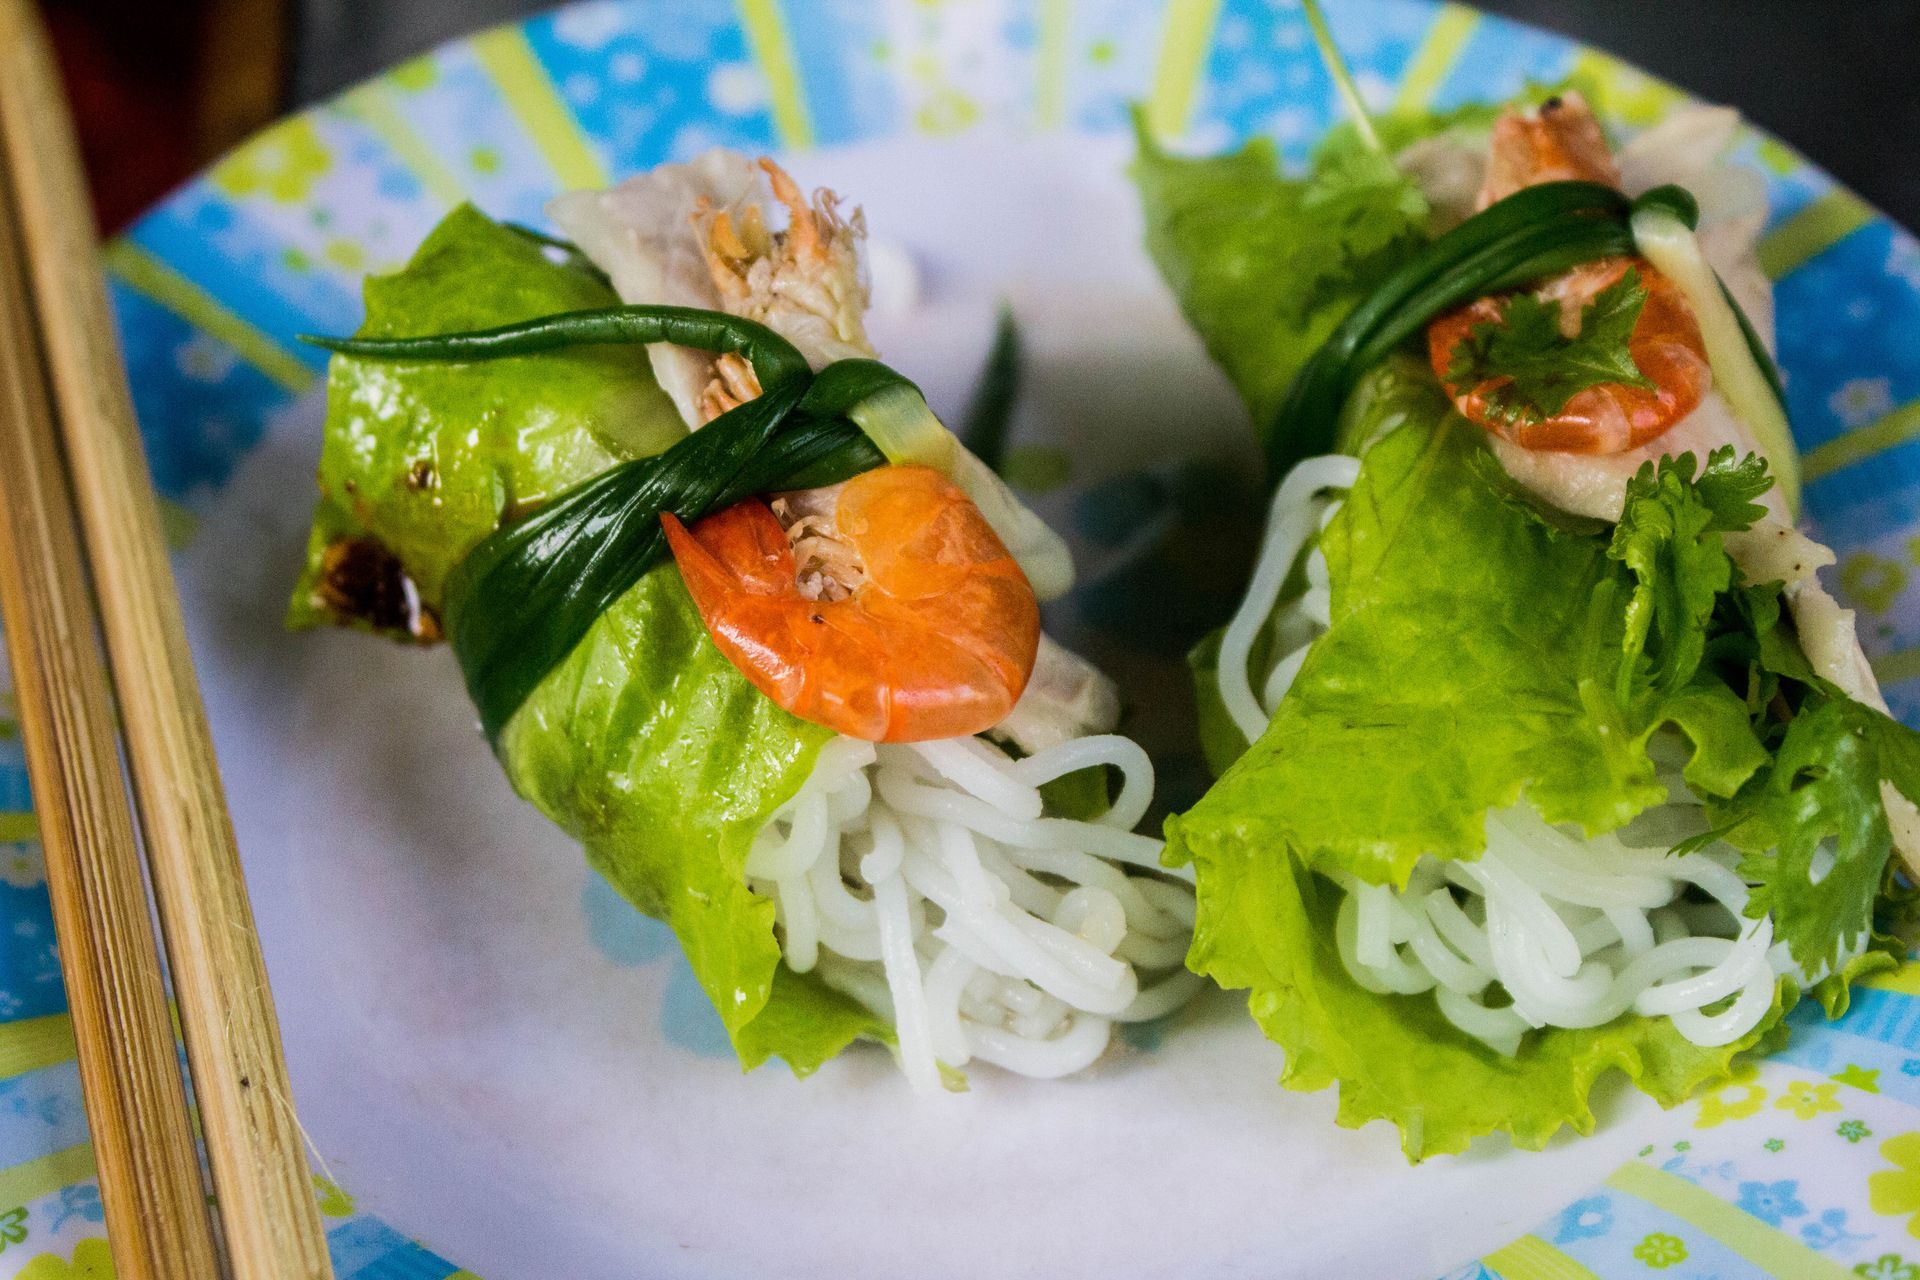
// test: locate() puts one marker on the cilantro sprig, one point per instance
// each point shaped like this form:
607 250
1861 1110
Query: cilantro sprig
1543 367
1669 535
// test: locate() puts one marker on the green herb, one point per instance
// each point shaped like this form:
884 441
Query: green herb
1342 77
1531 234
1669 535
1542 368
1815 827
1755 347
809 453
773 358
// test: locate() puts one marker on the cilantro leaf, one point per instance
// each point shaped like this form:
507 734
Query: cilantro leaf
1669 537
1814 828
1540 366
1732 490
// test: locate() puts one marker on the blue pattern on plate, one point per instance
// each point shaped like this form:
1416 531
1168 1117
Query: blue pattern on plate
278 236
202 235
1792 183
665 82
1111 50
368 1249
1861 363
1290 98
449 102
850 94
30 984
15 795
41 1112
1501 59
213 403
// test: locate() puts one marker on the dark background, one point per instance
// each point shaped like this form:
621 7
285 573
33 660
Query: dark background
164 87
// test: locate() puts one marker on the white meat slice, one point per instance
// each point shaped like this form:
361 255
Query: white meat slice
641 234
1596 484
1067 697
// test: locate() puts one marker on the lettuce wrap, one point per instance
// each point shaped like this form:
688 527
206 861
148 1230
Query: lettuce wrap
528 444
1490 648
644 744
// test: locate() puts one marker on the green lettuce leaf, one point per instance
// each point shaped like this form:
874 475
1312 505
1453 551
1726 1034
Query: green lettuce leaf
1475 656
1399 391
421 461
653 751
1265 265
1481 650
645 744
1221 742
1266 923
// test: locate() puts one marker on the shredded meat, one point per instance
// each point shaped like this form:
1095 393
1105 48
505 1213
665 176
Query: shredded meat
804 282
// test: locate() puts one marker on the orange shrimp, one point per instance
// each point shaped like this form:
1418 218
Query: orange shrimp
934 637
1562 141
1612 417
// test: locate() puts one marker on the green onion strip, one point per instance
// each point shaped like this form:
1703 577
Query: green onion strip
1537 232
526 595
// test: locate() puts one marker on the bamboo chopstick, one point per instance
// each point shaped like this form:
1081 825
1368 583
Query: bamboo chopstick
265 1200
142 1142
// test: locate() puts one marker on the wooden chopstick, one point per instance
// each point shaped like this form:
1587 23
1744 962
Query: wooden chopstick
143 1144
265 1201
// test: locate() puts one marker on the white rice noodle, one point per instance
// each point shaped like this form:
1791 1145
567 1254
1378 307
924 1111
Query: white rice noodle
1295 517
1546 928
923 880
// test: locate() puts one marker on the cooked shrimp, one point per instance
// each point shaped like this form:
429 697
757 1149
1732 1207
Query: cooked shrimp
1612 417
1562 141
928 629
